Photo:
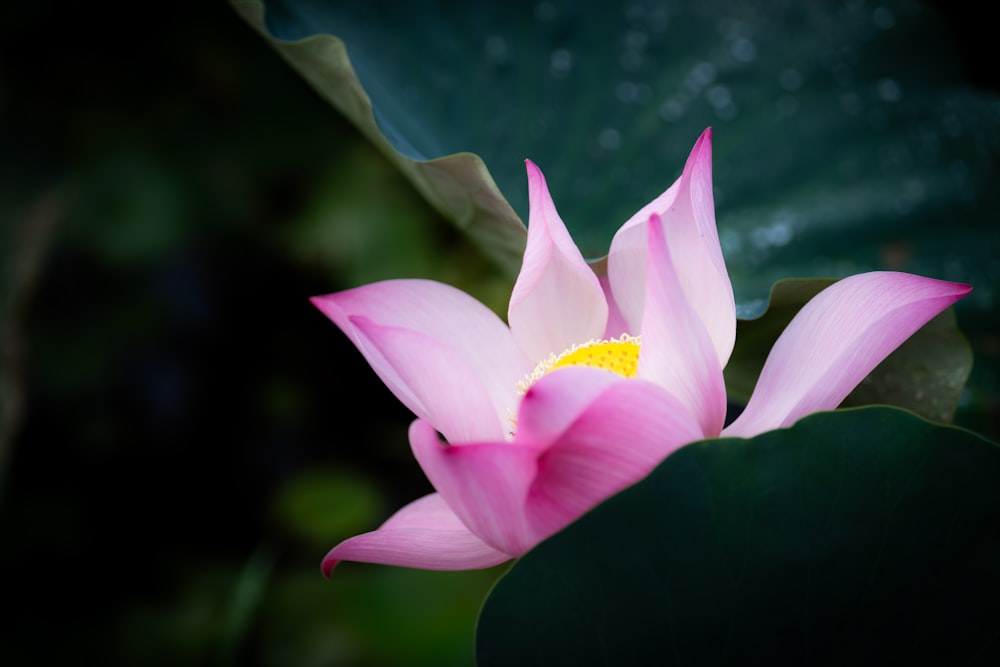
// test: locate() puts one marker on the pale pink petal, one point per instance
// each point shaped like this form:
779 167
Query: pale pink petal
627 272
557 300
676 351
613 441
616 321
430 512
485 483
836 340
425 534
479 340
446 392
687 212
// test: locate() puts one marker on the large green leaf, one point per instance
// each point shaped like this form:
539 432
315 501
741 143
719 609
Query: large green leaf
844 137
865 536
458 185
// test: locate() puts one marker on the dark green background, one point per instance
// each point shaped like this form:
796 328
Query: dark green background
184 436
181 435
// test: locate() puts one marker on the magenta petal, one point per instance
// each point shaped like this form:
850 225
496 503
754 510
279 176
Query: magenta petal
425 534
556 400
687 211
613 441
583 434
485 483
478 339
836 340
677 353
557 300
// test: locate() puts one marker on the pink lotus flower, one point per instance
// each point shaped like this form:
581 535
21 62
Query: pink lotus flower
597 379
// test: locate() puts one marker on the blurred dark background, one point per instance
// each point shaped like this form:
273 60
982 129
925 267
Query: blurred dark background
182 436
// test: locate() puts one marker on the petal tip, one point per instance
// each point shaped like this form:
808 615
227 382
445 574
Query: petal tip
326 304
535 175
934 286
701 153
327 566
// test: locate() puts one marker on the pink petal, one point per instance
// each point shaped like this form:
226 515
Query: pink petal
688 215
613 441
836 340
484 483
448 392
425 534
556 400
583 434
557 300
480 344
676 352
616 321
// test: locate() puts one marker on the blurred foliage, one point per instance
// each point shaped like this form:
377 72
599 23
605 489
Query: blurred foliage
183 436
171 193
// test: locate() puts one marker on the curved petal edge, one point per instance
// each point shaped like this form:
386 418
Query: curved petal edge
836 340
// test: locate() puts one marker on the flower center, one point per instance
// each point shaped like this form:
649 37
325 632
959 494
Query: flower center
619 355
